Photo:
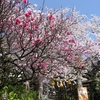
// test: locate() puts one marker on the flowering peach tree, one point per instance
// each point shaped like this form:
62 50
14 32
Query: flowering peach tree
33 41
27 37
73 45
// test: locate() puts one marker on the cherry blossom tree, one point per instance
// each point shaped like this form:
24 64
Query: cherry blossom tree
73 45
27 36
8 8
37 42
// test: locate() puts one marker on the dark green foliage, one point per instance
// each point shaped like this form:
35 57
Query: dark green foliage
18 92
68 93
94 88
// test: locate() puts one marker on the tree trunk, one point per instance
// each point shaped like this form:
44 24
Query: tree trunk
79 80
40 90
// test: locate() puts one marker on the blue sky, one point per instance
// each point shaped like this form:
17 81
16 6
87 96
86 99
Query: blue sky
87 7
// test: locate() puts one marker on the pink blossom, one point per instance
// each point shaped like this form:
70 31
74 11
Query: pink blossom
37 64
32 18
35 27
37 40
20 25
77 58
28 13
45 65
80 65
50 17
27 28
25 1
12 28
72 41
8 22
52 26
18 21
15 9
26 23
68 33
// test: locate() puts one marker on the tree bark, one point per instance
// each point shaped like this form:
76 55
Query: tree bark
79 80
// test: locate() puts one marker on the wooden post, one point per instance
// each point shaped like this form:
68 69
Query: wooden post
79 80
40 90
82 91
27 86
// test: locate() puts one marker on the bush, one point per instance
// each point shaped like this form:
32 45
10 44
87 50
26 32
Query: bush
17 92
